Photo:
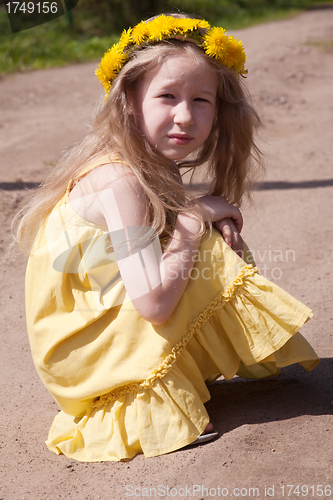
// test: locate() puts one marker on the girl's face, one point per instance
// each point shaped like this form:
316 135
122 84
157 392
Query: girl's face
175 105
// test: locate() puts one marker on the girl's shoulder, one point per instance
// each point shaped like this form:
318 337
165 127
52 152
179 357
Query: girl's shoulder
109 164
99 173
101 182
115 171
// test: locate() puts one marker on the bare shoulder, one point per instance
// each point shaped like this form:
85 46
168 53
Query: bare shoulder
119 192
92 197
115 175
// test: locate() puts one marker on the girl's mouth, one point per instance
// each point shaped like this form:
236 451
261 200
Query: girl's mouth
180 139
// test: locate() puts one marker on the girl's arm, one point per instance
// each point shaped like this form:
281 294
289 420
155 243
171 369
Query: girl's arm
230 228
156 287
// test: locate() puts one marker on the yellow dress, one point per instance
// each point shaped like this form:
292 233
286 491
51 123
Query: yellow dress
126 386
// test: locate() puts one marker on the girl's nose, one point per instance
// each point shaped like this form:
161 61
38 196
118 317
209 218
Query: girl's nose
183 114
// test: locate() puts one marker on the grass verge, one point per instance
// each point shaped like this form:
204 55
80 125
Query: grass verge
48 45
57 44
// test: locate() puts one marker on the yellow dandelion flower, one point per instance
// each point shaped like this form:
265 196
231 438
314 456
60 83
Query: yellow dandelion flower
160 26
202 24
125 39
236 55
110 65
170 24
215 43
140 32
184 25
112 61
102 77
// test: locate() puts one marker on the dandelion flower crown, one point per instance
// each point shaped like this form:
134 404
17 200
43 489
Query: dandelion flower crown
227 50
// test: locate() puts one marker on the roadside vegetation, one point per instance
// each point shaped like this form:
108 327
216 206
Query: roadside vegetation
92 27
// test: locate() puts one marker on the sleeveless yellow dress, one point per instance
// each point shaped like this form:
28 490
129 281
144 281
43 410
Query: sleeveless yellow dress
124 385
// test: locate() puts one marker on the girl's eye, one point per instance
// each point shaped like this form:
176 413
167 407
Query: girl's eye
201 99
167 96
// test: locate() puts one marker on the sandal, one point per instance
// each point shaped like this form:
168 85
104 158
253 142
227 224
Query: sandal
205 437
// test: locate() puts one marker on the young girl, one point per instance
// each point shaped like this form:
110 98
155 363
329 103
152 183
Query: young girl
134 299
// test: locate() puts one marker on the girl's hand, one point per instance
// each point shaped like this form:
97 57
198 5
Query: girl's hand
216 209
230 234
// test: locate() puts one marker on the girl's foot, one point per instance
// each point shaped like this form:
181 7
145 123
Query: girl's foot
209 429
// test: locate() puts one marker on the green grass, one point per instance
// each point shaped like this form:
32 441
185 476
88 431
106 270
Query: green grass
245 19
56 43
48 45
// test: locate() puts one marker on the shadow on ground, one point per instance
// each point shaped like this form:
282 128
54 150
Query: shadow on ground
262 186
292 394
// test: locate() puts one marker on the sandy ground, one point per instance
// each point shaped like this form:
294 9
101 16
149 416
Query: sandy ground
273 433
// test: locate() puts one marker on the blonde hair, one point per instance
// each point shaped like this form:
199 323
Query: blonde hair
228 152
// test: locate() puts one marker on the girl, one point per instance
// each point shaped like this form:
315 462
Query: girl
134 299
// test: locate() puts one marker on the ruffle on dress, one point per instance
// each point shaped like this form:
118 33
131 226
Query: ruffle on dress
250 329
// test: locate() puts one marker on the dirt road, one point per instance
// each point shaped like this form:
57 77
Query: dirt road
273 433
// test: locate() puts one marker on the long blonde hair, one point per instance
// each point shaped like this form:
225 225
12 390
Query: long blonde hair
228 152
